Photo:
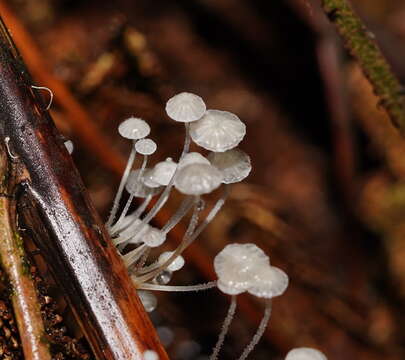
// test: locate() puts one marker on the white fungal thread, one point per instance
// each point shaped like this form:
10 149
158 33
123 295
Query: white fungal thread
50 94
6 141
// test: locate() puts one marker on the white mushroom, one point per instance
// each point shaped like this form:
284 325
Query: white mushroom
269 282
175 265
305 353
134 128
145 146
138 188
197 179
218 131
185 107
164 171
154 237
236 265
234 165
193 158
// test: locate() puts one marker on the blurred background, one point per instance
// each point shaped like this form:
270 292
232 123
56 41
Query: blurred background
326 197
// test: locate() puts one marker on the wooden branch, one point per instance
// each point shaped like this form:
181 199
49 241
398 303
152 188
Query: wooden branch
360 42
55 208
24 297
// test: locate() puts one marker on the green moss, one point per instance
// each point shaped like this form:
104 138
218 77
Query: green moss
363 47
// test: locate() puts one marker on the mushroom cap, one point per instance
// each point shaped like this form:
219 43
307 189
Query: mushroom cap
305 353
234 164
164 171
236 266
269 282
138 188
193 158
145 146
197 179
218 131
154 237
147 179
69 146
185 107
148 300
134 128
177 264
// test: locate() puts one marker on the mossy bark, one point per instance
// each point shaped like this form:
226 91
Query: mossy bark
362 45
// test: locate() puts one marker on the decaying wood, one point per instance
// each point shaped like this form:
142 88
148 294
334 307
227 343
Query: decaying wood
12 255
55 210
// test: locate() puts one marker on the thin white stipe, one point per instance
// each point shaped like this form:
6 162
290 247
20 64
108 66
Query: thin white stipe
224 329
132 195
134 255
185 288
259 333
184 208
124 178
50 94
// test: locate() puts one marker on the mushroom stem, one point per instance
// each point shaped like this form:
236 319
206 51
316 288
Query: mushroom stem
124 178
259 333
132 195
134 255
225 329
186 288
184 208
166 193
190 229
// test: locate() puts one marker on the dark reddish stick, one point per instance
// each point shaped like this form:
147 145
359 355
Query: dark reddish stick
57 211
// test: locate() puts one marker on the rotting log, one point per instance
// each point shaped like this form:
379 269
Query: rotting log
55 209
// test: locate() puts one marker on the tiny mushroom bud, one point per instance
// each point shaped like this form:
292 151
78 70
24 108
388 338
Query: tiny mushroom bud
305 354
164 171
176 264
134 128
148 300
154 237
145 146
218 131
193 158
234 165
197 179
138 188
185 107
150 355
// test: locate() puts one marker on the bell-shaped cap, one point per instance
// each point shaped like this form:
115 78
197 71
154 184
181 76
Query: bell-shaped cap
234 164
134 128
269 282
164 171
193 158
137 187
197 179
305 353
218 131
236 265
145 146
185 107
154 237
176 264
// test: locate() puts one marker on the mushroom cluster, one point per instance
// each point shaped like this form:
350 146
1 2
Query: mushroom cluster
240 267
